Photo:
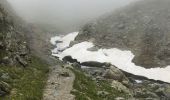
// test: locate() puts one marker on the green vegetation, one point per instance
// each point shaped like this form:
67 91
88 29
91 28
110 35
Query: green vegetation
27 83
88 89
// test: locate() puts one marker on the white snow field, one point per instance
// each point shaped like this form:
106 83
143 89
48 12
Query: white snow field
119 58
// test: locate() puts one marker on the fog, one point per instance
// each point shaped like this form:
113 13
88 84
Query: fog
64 15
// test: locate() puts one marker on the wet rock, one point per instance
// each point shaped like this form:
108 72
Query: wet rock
58 41
93 64
69 59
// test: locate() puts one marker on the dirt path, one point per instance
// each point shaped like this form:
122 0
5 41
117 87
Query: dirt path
59 87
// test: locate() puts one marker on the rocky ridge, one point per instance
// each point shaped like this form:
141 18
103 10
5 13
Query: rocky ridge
142 27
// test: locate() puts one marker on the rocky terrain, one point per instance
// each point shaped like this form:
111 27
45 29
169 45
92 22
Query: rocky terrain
110 82
21 71
25 57
13 43
142 27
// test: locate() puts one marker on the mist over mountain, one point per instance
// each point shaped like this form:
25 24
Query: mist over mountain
64 15
142 27
121 53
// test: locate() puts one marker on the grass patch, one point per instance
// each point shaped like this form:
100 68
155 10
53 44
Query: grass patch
87 89
27 83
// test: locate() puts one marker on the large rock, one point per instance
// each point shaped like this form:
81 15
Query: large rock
69 59
95 64
114 73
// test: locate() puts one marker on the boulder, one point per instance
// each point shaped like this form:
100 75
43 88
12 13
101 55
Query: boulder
58 41
114 73
93 64
69 59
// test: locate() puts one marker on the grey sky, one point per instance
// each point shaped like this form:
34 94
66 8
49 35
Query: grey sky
64 13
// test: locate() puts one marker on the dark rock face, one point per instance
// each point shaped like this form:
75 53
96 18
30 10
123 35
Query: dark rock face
69 59
93 64
142 28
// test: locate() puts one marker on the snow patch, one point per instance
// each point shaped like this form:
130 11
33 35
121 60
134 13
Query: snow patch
62 42
119 58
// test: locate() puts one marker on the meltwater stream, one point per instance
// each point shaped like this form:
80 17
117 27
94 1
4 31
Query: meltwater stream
119 58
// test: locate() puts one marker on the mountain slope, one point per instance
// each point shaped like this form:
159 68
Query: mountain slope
22 74
142 27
